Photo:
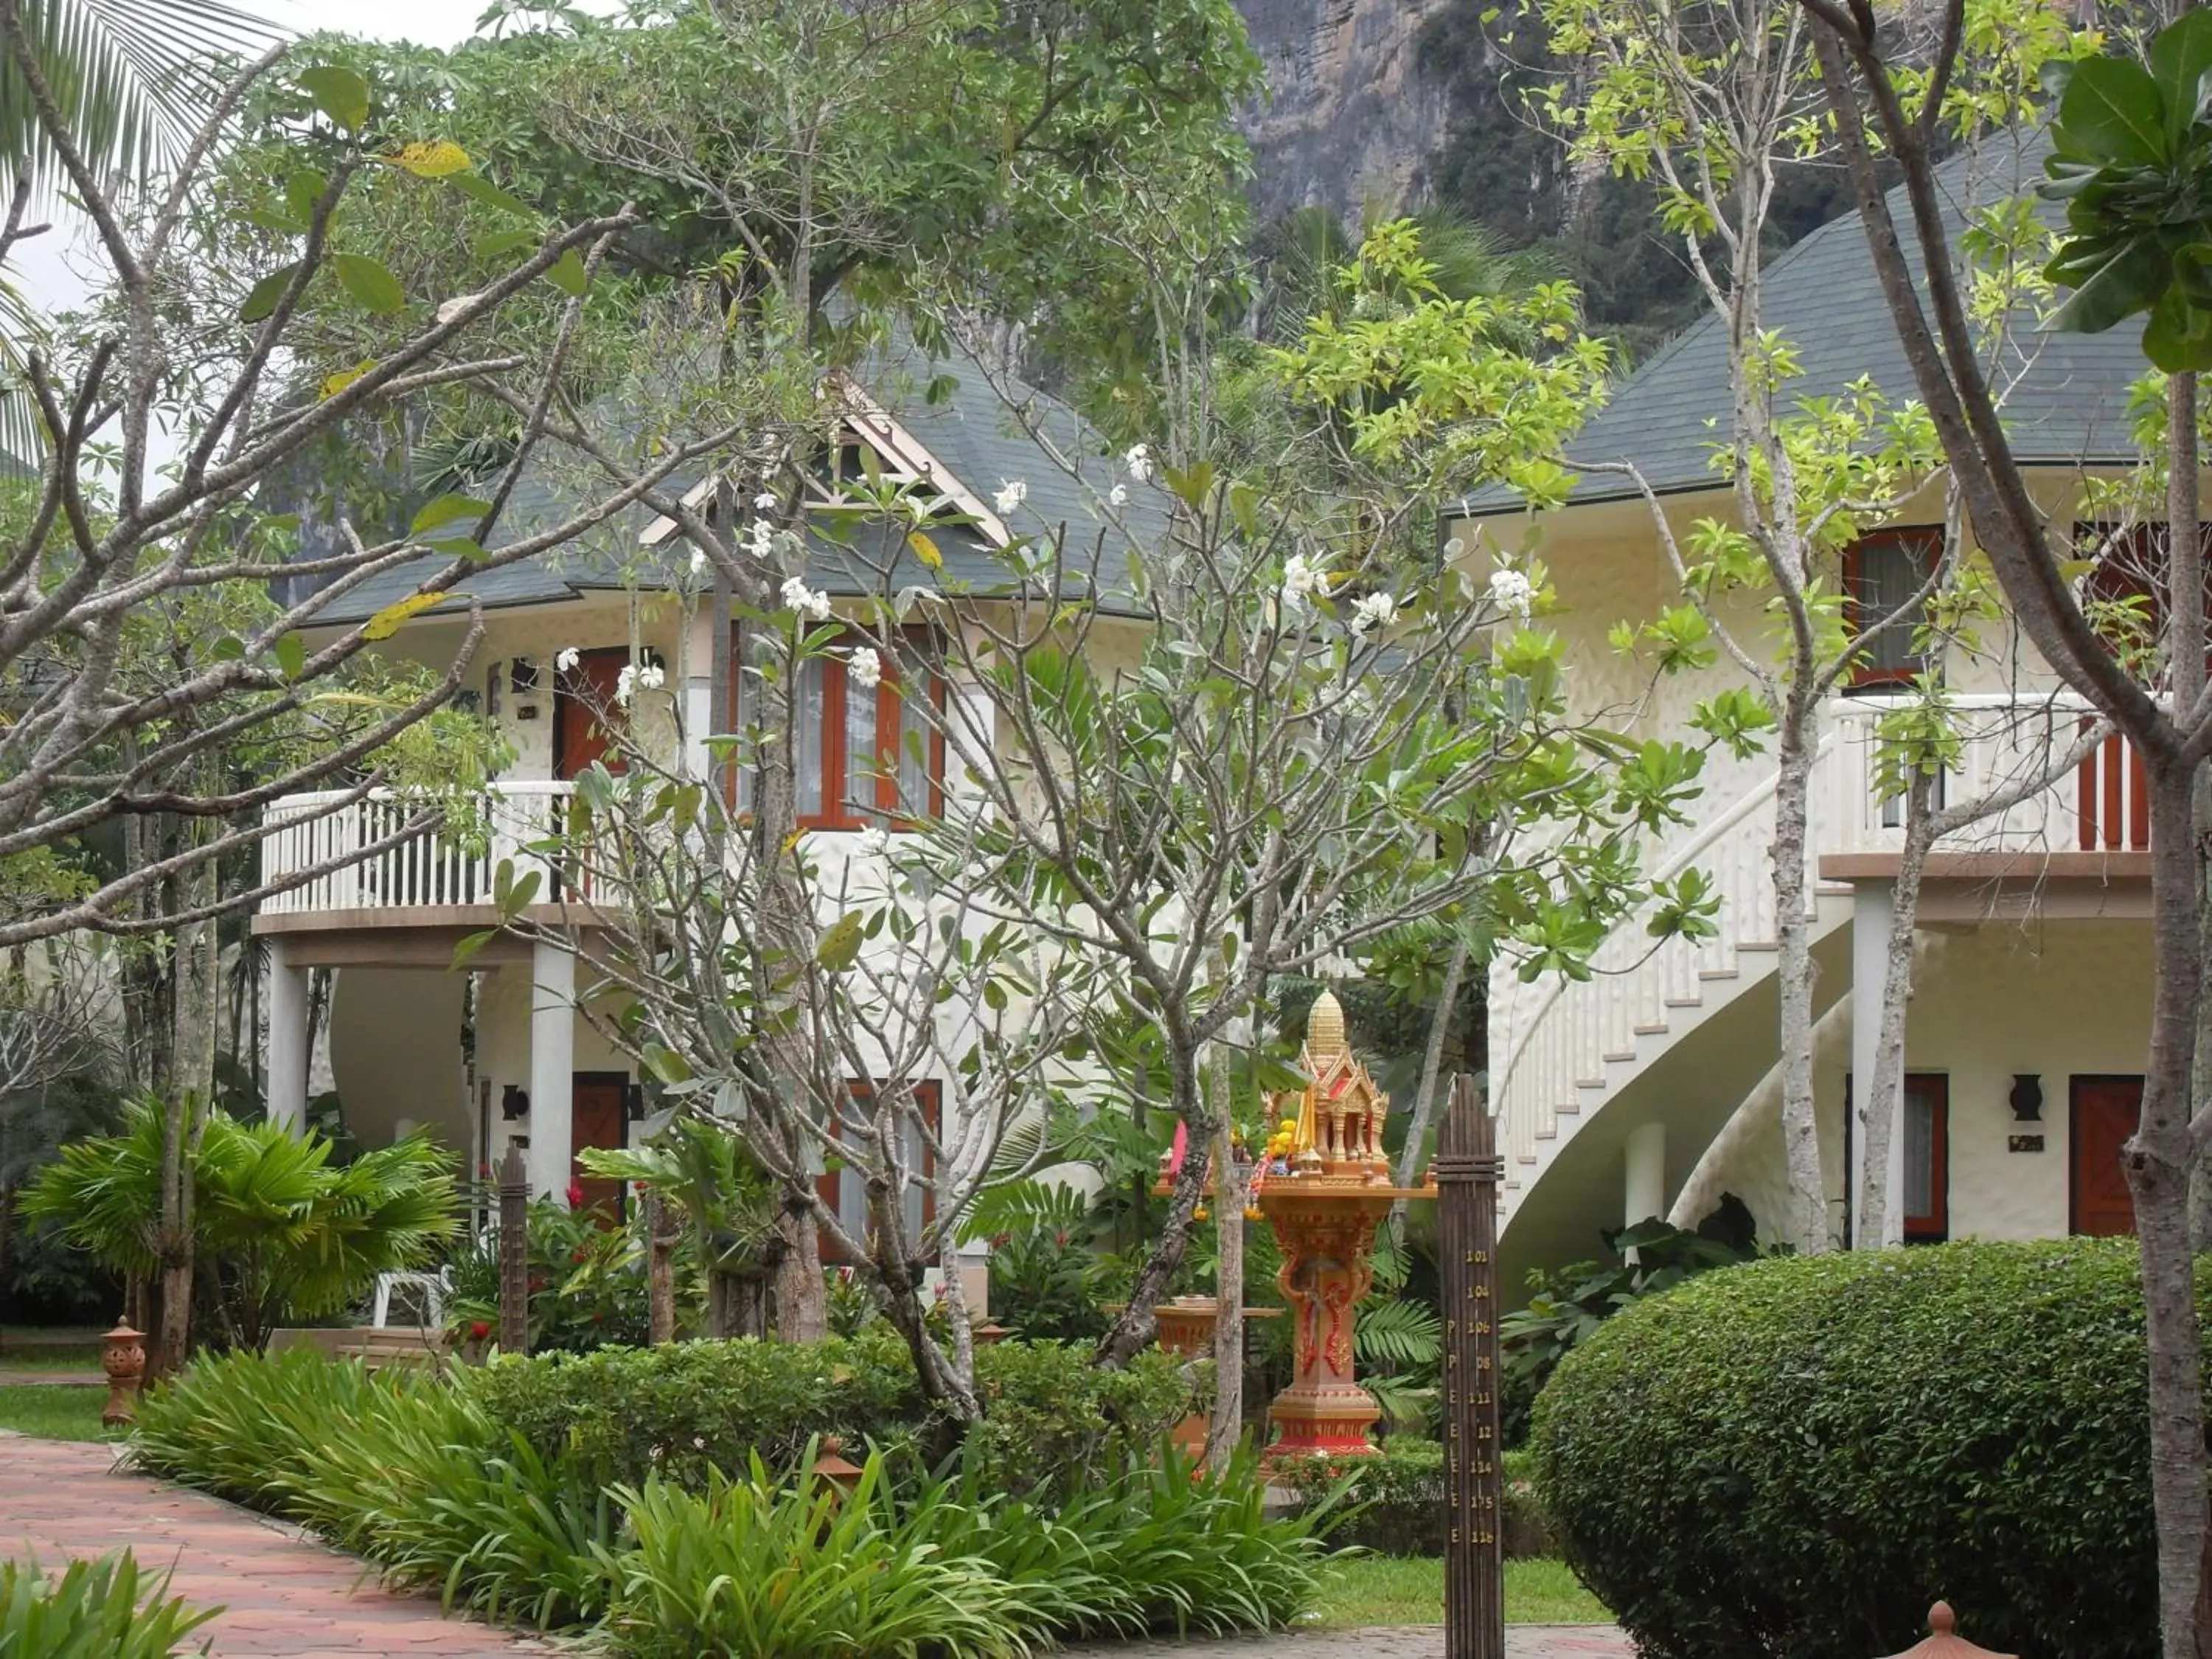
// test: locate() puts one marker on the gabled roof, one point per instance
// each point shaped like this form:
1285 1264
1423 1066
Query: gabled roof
968 432
2067 405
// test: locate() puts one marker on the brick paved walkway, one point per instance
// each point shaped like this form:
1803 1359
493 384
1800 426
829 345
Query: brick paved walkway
284 1594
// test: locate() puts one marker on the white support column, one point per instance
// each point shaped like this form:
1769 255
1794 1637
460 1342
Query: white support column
1645 1197
1872 902
287 1077
552 1067
699 712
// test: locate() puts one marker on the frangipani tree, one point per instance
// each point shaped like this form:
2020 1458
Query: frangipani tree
1714 102
1270 736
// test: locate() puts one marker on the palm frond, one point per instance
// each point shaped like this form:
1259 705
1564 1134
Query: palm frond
132 78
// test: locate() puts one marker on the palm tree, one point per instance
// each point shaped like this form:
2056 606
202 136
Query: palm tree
131 79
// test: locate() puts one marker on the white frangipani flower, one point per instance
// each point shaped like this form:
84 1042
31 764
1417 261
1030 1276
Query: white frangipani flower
1118 495
566 658
866 668
626 683
1011 495
1374 611
1512 592
760 540
698 560
1139 460
1302 577
806 600
765 502
651 677
873 842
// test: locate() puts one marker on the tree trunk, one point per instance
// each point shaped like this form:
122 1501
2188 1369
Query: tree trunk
1137 1325
174 1246
802 1306
659 1269
1229 1198
1801 1131
1884 1091
2157 1161
1432 1063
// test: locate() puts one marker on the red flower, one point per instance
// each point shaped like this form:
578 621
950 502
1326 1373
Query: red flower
575 1196
597 1318
479 1330
579 1253
536 1284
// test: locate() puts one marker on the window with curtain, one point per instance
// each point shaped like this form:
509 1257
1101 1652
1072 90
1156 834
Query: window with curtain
845 1190
863 757
1927 1131
1883 574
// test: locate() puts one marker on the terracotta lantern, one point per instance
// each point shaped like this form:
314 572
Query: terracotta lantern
123 1357
1323 1187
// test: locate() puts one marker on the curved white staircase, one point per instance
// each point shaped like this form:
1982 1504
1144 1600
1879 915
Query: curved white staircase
1562 1049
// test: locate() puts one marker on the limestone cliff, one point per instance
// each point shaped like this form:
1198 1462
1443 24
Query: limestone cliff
1349 118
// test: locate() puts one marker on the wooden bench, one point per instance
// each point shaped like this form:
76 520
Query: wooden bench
393 1344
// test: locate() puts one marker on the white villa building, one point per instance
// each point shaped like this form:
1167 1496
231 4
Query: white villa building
1653 1088
537 1071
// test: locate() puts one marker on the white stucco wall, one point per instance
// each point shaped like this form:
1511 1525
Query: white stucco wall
2060 999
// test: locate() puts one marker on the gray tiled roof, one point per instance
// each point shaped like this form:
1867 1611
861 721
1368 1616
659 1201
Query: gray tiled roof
970 432
2068 406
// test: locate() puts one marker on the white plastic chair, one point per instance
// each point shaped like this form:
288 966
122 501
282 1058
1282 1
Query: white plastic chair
429 1288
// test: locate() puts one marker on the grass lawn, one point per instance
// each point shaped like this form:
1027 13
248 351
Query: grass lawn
54 1413
85 1357
1390 1589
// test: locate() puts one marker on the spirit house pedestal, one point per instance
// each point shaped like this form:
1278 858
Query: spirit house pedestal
1323 1189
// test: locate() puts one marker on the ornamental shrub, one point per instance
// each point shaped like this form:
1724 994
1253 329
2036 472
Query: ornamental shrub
1052 1418
1798 1455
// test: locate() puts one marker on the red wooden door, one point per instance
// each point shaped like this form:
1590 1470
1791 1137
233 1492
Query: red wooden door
583 698
598 1120
2104 1113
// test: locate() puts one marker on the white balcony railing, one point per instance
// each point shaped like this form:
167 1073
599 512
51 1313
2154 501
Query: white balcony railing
1566 1047
423 872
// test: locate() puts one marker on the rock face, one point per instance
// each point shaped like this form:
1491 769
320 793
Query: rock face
1349 120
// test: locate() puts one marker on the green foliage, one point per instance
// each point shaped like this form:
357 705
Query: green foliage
628 1413
1798 1455
763 1567
1048 1283
586 1285
1570 1303
1053 1420
753 1567
2132 157
106 1608
420 1475
279 1228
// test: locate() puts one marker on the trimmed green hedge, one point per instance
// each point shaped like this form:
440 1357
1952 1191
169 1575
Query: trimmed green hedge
1800 1454
1394 1504
1052 1418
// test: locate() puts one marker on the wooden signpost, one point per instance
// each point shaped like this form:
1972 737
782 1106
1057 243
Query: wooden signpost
513 1252
1467 1172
